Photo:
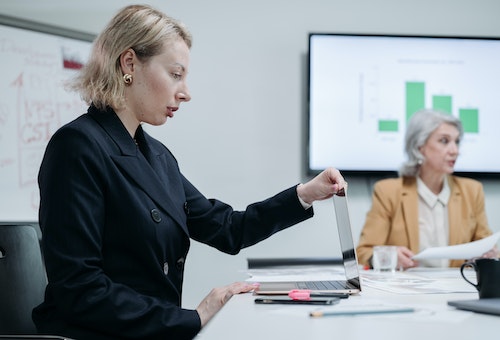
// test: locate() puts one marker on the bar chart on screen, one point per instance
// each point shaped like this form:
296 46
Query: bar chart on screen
374 95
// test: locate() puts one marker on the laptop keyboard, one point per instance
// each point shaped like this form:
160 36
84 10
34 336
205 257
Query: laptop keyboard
323 285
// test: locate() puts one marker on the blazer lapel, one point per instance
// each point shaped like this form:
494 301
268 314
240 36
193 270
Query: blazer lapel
142 173
409 201
454 204
146 174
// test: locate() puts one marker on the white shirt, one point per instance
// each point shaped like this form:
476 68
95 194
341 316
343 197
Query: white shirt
433 220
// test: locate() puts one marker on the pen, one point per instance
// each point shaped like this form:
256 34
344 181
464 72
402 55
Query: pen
319 314
306 294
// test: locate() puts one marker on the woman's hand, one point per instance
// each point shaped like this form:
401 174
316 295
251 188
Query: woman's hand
405 258
491 254
323 186
218 297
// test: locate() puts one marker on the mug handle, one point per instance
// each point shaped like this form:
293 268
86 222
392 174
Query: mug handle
465 265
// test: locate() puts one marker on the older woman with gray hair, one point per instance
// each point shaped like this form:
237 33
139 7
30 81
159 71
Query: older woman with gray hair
426 206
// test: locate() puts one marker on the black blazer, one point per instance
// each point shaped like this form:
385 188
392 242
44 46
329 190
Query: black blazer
116 225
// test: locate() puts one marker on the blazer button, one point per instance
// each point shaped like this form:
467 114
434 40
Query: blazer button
155 214
165 268
180 263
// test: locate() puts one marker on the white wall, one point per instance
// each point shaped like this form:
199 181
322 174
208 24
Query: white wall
241 137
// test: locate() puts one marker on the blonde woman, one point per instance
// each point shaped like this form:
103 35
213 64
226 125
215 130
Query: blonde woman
116 212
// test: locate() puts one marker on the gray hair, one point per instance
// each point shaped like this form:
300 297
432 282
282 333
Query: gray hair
420 126
140 27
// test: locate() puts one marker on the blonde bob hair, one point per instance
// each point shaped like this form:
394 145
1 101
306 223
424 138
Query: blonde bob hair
140 27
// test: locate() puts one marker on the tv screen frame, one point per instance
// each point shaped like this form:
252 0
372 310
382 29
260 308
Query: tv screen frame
362 89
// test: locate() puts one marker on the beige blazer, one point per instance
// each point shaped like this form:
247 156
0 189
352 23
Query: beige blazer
393 217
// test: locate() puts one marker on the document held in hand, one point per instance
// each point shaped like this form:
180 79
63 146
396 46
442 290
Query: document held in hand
460 251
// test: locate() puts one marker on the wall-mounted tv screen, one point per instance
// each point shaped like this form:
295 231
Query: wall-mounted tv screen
364 88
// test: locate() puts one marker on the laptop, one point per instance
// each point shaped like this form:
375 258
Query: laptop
485 306
351 285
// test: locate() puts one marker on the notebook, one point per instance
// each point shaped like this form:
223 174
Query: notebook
352 283
487 306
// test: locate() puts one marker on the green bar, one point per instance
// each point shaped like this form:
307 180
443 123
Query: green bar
415 97
388 125
470 119
442 103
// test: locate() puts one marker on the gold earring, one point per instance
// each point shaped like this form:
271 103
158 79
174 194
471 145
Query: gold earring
127 79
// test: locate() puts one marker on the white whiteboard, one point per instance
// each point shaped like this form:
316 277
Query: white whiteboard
35 62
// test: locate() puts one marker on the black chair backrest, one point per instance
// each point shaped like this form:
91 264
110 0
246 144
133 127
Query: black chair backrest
22 278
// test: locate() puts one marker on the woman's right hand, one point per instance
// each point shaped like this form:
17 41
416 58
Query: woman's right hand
218 297
328 183
405 258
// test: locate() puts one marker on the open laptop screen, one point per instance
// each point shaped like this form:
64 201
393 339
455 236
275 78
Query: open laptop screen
345 235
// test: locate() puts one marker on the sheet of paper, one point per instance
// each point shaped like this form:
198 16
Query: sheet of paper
460 251
438 313
408 283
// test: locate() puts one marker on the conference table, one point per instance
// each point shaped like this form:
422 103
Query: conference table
425 291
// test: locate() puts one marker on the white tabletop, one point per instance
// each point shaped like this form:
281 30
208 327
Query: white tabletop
242 319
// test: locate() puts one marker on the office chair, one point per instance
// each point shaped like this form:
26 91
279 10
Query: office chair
22 281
